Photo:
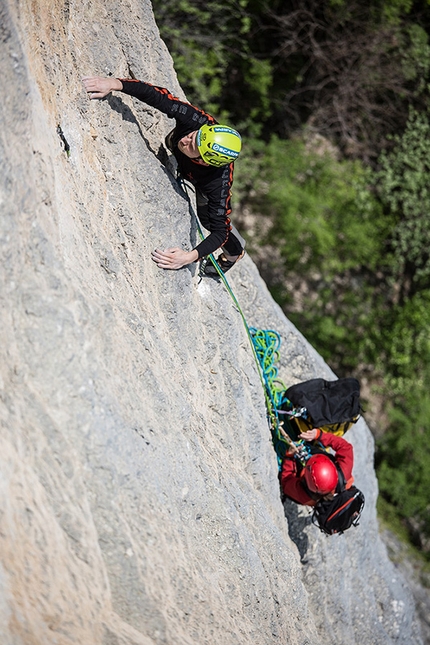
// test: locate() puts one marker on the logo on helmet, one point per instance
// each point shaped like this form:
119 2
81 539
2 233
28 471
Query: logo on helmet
222 128
224 151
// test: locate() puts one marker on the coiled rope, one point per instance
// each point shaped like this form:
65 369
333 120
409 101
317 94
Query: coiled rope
267 343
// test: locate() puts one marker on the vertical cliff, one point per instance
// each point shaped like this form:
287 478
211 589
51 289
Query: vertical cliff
139 493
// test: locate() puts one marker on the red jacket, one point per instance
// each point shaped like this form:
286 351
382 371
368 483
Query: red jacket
291 482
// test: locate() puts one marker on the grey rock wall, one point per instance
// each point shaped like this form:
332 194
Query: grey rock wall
138 485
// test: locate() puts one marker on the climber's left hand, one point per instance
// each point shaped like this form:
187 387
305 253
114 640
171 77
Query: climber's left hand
174 258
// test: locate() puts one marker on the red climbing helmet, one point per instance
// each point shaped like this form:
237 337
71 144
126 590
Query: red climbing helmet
320 474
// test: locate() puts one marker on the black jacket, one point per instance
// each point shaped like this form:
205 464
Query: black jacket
214 182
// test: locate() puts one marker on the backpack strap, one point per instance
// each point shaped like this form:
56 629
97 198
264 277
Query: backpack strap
341 484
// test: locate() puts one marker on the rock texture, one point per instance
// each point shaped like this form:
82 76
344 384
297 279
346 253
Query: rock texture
139 493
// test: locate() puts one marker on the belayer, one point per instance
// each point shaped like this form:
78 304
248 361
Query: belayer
320 476
324 481
205 152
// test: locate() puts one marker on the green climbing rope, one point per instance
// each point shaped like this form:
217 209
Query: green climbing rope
265 346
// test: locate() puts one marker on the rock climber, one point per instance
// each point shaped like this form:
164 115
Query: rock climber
319 478
205 152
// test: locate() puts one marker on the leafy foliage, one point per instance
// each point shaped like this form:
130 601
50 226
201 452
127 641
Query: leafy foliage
403 459
328 228
323 215
404 354
403 185
349 69
358 67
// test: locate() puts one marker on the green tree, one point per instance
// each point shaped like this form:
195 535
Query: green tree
349 69
324 217
404 349
403 187
403 460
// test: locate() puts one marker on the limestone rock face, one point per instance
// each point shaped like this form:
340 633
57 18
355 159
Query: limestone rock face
139 493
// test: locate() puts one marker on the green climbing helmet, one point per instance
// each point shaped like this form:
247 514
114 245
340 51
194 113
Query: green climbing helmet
218 145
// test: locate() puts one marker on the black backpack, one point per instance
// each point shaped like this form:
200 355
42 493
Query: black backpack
338 514
332 406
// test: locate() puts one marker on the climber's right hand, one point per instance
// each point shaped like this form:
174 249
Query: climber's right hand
98 87
311 435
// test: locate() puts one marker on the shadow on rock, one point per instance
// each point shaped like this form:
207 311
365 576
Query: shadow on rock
298 520
119 106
